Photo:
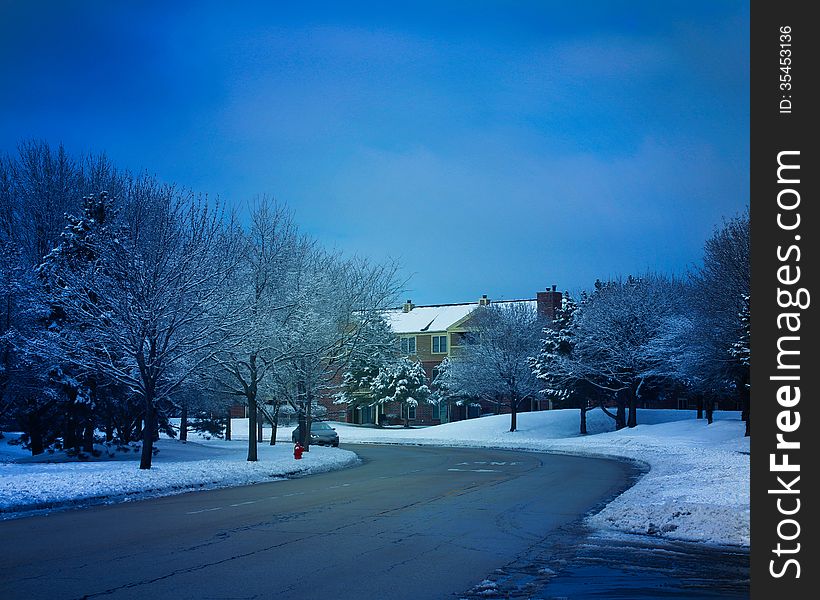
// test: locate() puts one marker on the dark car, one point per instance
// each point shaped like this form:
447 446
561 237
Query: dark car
320 433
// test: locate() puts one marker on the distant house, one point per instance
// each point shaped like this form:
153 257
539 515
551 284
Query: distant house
429 334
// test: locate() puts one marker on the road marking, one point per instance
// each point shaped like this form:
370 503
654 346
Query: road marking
475 470
244 503
196 512
484 462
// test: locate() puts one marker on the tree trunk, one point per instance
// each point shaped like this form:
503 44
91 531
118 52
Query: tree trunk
620 415
183 423
633 396
513 413
148 426
710 408
699 401
584 419
308 419
302 428
274 425
35 434
228 426
748 424
259 423
252 412
88 432
70 438
109 425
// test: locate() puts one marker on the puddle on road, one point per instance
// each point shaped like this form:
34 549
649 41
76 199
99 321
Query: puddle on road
573 565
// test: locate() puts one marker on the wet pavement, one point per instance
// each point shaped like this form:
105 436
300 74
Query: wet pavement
620 567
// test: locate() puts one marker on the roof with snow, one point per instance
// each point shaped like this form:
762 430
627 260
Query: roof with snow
436 317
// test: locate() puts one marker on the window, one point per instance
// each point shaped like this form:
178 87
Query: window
408 345
411 413
440 343
436 411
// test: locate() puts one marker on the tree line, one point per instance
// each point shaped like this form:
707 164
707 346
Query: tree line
126 301
626 342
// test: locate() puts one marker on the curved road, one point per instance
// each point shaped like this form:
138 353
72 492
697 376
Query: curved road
411 522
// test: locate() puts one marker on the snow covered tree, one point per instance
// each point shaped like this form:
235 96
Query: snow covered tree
375 352
339 320
614 349
272 255
444 390
403 383
706 347
496 364
721 287
38 186
741 351
553 364
150 307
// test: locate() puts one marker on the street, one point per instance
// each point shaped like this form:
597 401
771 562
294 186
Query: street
410 522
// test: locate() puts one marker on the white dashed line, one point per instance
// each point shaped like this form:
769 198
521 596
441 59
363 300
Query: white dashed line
196 512
475 470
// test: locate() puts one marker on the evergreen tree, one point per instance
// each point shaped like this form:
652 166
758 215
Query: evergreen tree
404 383
553 363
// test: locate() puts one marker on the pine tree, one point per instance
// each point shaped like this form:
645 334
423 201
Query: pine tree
357 383
550 366
404 383
78 248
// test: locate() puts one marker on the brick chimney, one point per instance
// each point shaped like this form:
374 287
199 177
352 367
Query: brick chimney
483 301
408 306
548 302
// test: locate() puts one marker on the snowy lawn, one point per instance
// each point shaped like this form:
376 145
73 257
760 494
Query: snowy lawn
697 487
27 483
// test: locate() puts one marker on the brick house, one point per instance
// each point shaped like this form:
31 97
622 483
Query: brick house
429 334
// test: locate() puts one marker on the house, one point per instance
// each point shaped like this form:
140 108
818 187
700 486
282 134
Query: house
429 334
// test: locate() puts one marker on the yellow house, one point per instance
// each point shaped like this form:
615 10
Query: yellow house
431 333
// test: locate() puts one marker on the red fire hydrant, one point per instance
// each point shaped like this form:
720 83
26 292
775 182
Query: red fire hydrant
297 451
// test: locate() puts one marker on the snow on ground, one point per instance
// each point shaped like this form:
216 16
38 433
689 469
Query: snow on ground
697 487
27 484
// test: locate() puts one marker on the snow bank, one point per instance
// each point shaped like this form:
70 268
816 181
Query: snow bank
697 487
178 467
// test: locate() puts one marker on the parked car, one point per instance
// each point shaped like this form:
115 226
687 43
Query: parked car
320 433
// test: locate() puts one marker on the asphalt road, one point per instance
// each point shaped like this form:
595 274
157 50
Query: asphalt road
411 522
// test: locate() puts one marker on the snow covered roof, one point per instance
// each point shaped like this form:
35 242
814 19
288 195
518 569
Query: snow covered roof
438 317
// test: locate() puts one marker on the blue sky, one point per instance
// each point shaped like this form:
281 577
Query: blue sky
492 148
